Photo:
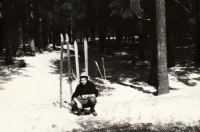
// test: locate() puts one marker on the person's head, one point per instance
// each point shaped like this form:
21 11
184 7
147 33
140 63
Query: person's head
83 78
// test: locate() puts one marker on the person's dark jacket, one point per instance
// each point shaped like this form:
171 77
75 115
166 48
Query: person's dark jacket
89 88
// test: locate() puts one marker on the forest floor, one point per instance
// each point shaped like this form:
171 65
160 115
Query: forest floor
30 96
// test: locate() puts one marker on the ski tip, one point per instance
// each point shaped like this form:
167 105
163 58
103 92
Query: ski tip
75 43
61 37
85 40
67 37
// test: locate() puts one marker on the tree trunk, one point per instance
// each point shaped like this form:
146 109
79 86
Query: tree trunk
102 36
71 32
21 35
45 32
37 26
24 32
54 34
125 36
31 32
50 30
108 32
133 39
7 42
197 37
81 36
17 37
129 36
14 37
40 36
54 39
7 30
119 37
93 34
1 28
197 47
24 38
1 37
163 83
142 55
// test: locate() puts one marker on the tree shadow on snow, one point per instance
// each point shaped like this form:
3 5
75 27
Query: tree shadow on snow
138 88
185 65
7 71
126 66
117 69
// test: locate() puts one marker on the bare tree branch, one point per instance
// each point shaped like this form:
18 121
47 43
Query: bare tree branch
182 5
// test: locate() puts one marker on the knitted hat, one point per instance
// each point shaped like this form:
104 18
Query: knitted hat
84 75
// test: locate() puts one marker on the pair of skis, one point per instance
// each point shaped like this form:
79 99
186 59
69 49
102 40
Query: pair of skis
69 62
77 60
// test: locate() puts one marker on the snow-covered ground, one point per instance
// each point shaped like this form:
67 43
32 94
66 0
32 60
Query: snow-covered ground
29 101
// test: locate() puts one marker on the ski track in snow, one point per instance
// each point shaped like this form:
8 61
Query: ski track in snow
30 102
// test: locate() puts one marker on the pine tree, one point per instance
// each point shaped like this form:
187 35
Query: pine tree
163 83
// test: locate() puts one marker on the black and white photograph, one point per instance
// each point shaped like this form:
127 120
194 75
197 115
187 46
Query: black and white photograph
99 65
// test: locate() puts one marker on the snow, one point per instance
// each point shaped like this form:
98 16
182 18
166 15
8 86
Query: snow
71 47
30 100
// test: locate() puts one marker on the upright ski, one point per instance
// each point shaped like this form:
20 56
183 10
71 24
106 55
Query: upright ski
69 64
86 55
61 67
76 59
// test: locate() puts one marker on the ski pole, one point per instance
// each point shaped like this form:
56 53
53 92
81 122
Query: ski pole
104 68
104 73
74 74
98 69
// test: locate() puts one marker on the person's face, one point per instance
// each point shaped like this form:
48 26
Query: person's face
83 81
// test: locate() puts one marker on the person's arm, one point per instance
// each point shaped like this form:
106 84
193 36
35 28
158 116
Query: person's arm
87 95
79 105
76 93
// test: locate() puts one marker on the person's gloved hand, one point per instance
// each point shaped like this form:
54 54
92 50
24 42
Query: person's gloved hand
84 96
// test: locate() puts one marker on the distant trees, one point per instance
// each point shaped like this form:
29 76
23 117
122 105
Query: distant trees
39 22
195 24
7 13
82 18
30 22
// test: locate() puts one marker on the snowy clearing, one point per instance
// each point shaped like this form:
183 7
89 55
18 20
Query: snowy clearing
29 99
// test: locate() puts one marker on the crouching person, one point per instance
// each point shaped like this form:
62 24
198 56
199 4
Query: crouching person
84 96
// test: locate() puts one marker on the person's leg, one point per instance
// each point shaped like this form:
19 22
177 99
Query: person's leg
92 102
75 108
73 105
